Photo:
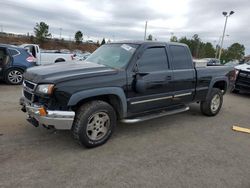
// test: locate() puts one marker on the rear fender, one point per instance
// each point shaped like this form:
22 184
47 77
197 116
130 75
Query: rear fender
213 82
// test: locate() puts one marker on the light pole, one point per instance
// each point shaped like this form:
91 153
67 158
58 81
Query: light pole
145 32
218 45
224 30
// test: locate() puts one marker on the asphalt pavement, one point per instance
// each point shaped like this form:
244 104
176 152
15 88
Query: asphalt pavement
186 150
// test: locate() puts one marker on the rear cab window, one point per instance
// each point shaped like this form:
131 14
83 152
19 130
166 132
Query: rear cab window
180 57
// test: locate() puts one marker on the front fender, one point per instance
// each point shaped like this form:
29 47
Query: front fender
77 97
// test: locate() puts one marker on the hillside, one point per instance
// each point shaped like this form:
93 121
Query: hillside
50 44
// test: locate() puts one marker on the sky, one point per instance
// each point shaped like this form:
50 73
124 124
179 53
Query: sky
125 19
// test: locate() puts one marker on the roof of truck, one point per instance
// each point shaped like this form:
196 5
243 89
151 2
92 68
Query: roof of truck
140 42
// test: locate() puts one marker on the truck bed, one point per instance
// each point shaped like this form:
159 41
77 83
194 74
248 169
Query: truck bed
206 73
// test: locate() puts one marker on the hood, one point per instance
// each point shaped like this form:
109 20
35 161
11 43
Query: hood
244 67
66 71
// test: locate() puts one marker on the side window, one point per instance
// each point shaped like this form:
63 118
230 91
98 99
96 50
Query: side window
13 52
180 57
153 59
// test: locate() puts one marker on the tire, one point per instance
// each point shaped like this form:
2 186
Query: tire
14 76
236 91
94 123
212 105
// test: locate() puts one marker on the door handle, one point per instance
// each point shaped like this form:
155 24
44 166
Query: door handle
168 77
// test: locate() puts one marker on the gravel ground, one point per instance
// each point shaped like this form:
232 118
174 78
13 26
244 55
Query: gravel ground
184 150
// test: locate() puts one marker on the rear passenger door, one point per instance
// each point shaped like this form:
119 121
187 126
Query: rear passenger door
184 78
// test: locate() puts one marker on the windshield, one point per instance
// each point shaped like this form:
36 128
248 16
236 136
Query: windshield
113 55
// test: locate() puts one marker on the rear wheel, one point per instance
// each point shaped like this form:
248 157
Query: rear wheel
213 104
94 123
235 91
14 76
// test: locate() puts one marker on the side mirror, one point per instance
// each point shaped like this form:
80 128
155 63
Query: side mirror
140 85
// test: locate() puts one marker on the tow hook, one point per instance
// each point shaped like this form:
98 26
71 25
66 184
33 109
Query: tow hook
23 109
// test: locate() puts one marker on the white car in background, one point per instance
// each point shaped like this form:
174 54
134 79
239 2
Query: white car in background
47 57
81 56
242 82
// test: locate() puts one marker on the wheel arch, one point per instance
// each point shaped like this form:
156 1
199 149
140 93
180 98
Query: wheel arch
60 60
14 67
112 95
221 83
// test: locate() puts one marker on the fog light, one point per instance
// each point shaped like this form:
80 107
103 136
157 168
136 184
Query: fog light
42 111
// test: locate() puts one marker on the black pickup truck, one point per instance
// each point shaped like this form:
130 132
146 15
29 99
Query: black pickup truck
123 81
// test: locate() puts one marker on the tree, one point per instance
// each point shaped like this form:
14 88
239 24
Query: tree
198 48
41 31
206 50
195 45
150 37
185 41
103 41
78 37
173 39
235 51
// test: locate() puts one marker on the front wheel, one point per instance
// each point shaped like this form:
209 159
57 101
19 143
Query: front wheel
212 105
94 123
14 76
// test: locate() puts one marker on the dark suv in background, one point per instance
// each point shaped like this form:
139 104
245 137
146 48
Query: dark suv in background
13 62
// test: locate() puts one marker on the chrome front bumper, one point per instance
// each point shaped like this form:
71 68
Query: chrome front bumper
61 120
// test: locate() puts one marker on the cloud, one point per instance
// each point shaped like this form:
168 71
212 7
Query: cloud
121 19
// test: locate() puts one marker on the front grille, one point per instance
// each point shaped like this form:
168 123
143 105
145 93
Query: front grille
28 90
29 84
243 80
27 95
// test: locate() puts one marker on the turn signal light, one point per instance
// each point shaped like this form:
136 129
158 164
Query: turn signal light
42 111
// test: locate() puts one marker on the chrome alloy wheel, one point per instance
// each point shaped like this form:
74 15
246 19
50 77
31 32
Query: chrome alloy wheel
215 103
98 126
15 77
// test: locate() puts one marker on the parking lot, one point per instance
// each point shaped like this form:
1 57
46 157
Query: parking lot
184 150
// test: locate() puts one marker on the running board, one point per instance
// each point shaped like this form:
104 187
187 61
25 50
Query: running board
155 115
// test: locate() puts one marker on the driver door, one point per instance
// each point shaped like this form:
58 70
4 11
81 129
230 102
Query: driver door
151 86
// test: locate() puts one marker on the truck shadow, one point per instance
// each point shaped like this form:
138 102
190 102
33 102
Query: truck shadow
241 94
63 140
159 123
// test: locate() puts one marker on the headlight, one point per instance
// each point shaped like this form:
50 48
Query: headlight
45 89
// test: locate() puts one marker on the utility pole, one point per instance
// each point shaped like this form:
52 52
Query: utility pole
145 33
60 33
224 30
